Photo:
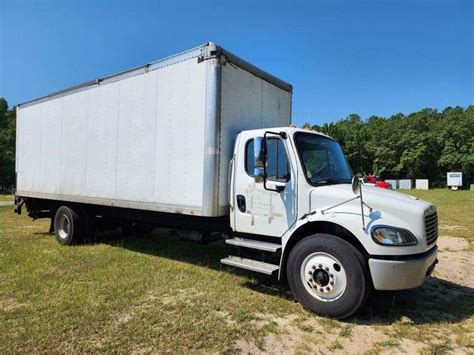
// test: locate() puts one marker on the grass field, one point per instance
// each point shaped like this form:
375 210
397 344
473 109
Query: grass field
6 198
157 293
455 211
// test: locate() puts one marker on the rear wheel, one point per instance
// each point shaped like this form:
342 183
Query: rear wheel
328 276
68 226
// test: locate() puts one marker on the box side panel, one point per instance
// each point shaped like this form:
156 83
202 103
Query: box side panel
74 143
29 148
50 163
247 102
180 132
102 132
137 142
131 155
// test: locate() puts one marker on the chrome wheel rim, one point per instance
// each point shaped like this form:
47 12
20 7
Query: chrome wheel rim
323 276
64 226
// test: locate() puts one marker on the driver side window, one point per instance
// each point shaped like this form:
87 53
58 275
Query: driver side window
278 167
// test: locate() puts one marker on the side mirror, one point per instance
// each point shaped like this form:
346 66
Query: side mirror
355 185
259 159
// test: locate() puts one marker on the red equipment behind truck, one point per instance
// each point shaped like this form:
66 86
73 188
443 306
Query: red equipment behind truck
376 181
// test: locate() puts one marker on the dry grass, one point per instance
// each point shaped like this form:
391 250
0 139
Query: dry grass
157 293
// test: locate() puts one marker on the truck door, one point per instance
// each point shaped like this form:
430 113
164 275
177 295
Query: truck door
256 209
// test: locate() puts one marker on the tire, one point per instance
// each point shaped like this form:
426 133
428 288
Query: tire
68 226
328 276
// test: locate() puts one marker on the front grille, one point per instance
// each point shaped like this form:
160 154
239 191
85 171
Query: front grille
431 228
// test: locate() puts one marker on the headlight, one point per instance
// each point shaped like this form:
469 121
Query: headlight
393 236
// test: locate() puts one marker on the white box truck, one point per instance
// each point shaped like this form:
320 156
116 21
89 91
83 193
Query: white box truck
200 142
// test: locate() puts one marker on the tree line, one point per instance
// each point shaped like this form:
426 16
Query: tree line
7 146
422 145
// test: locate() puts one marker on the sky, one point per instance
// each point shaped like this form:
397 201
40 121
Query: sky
376 57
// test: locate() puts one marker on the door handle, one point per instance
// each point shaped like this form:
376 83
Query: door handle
241 203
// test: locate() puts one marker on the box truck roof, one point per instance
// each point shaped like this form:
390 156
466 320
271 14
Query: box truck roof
205 51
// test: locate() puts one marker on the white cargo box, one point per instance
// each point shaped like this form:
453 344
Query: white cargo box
158 137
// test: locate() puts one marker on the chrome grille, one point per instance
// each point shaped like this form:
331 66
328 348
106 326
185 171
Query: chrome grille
431 227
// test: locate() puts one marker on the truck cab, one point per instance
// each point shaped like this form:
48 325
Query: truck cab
296 208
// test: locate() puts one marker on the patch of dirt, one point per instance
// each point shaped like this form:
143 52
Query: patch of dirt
124 318
10 305
410 347
227 318
452 243
362 339
451 227
318 339
455 261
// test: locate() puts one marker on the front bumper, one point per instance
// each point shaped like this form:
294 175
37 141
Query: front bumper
390 275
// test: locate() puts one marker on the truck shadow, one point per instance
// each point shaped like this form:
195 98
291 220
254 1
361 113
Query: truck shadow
436 301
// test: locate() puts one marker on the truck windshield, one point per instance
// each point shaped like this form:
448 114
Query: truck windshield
322 159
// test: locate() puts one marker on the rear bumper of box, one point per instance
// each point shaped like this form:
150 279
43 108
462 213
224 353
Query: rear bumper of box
391 275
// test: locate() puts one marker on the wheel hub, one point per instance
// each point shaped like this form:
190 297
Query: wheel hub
63 226
323 276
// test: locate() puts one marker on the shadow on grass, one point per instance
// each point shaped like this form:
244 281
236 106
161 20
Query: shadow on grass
436 301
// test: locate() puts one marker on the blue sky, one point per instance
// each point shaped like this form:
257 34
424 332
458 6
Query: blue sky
367 57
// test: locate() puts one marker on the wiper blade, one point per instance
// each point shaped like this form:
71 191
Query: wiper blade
330 181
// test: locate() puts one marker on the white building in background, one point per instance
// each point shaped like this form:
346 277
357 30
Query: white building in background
404 184
422 184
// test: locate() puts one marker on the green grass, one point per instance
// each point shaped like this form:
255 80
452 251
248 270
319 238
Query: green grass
455 211
6 198
157 293
140 293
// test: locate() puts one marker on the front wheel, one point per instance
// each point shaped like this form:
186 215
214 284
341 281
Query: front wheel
328 276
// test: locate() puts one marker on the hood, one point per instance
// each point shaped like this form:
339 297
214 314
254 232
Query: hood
385 201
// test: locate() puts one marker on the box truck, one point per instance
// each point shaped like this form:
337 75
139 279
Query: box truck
201 142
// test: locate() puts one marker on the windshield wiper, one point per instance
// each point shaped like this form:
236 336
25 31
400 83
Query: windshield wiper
331 181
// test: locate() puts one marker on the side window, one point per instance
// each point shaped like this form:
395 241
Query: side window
278 168
249 160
